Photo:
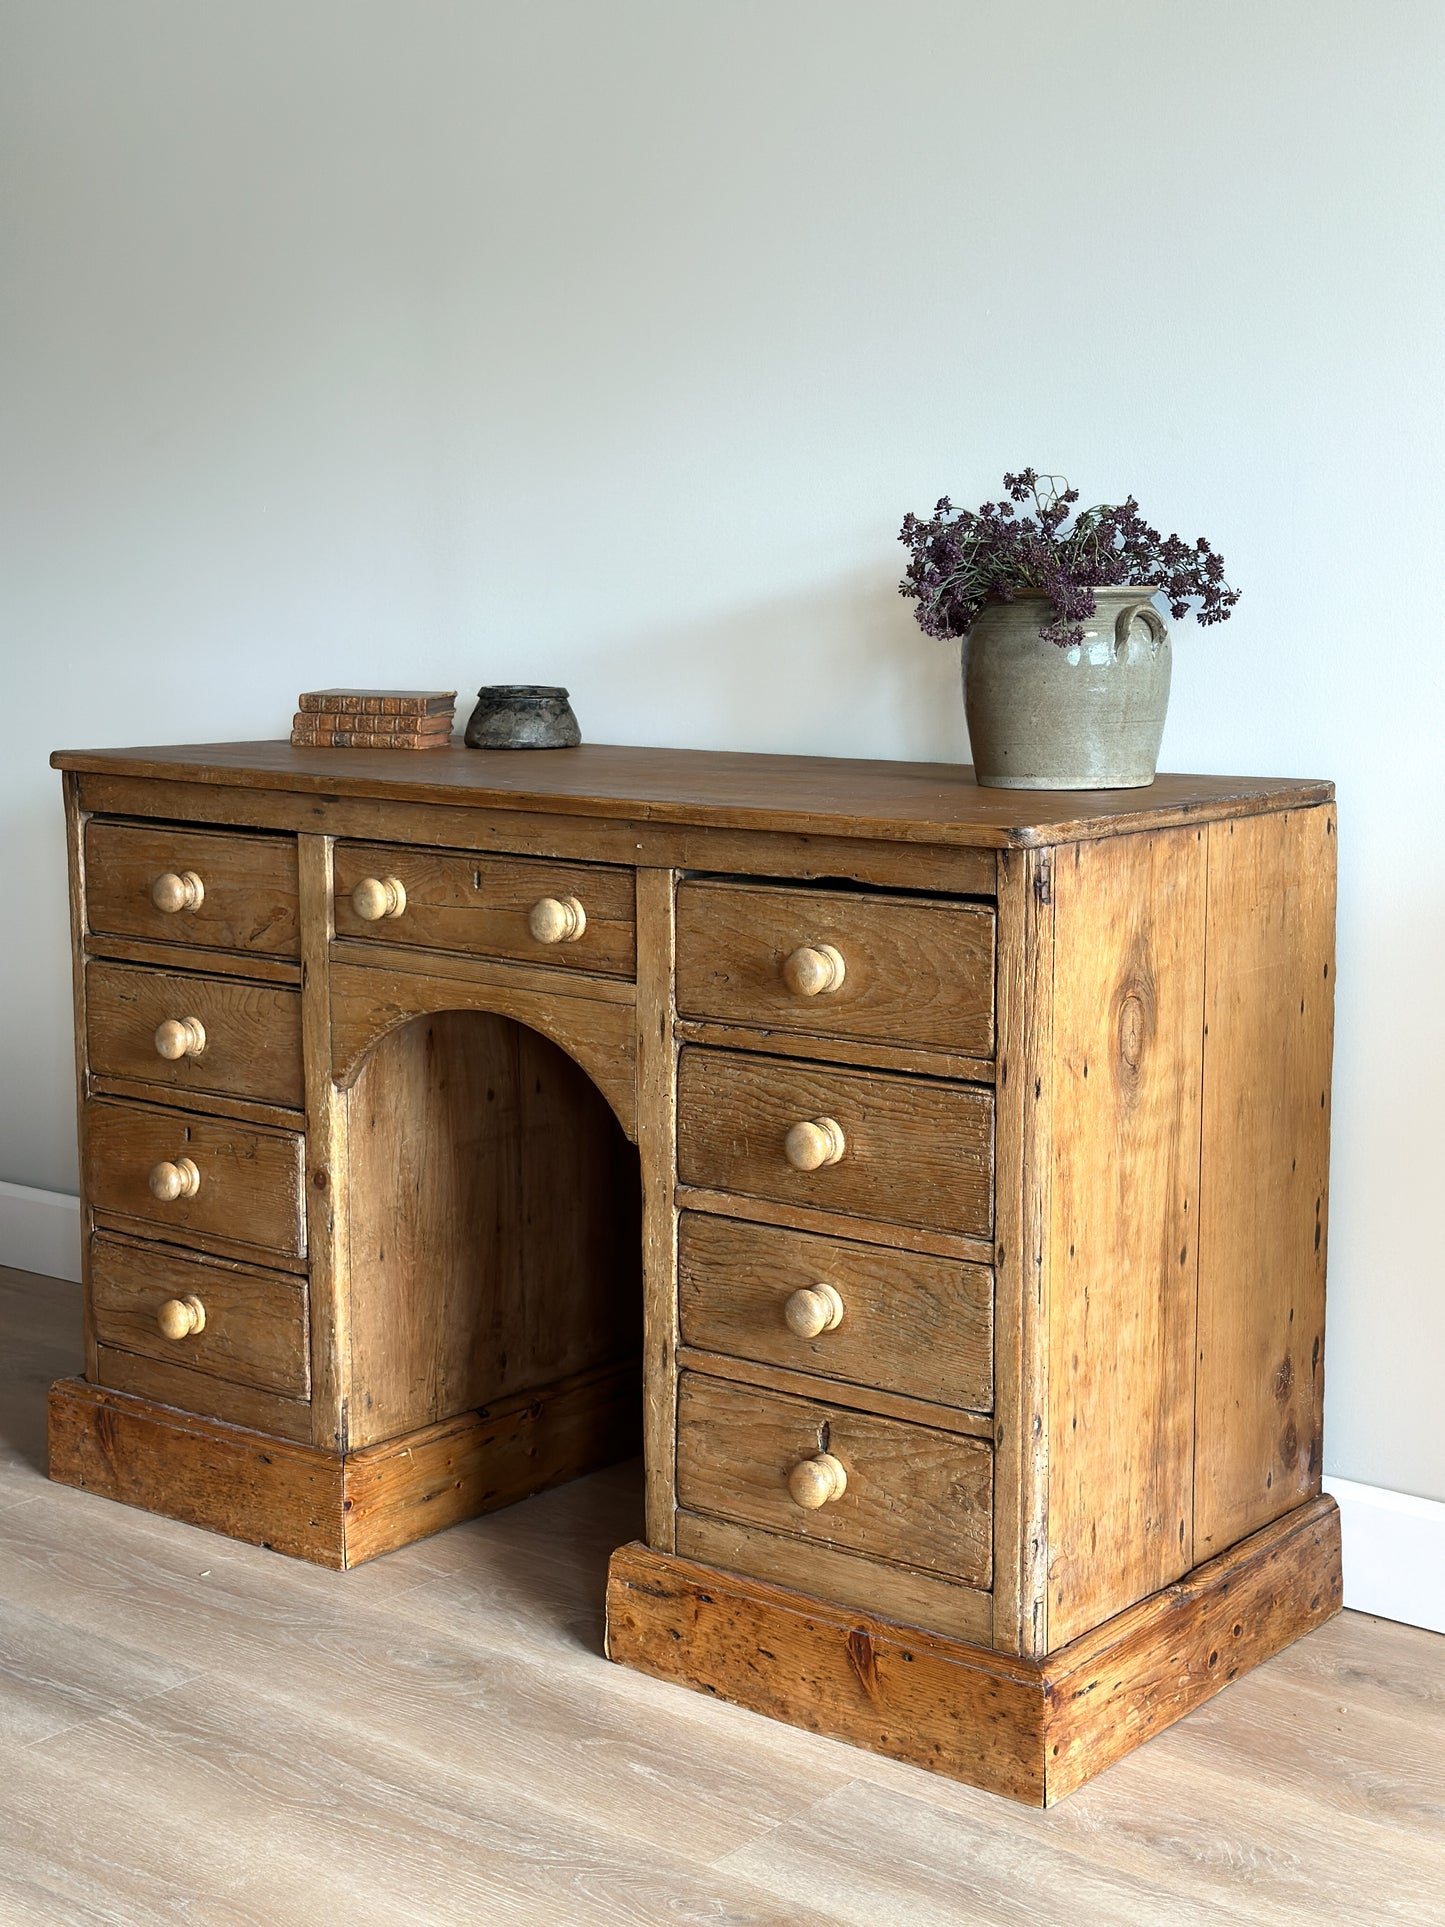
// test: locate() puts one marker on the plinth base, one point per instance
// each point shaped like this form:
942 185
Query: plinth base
339 1509
1030 1729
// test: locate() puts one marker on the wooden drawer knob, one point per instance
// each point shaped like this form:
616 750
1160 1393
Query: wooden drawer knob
180 1317
815 1482
378 897
814 970
557 920
180 1037
171 892
171 1181
814 1142
812 1310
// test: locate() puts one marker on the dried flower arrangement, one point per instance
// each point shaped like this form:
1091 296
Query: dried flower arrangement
959 560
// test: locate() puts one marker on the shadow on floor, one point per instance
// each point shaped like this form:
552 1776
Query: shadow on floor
39 1341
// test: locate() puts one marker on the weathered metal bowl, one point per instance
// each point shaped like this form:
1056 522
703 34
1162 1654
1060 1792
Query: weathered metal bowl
522 716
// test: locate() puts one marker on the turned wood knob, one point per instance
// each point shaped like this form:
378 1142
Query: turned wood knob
557 920
171 892
171 1181
812 1310
814 1482
378 897
180 1037
814 1142
814 970
180 1317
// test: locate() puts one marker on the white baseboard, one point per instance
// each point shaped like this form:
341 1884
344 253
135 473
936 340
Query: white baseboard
40 1231
1394 1544
1394 1553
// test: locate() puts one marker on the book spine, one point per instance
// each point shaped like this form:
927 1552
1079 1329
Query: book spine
378 725
363 739
329 702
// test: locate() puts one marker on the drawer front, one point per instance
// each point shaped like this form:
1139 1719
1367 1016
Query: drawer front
902 970
913 1151
247 1181
920 1497
906 1323
487 906
252 1324
248 1043
224 892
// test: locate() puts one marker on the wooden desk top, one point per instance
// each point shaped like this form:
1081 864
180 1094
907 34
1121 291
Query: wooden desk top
937 803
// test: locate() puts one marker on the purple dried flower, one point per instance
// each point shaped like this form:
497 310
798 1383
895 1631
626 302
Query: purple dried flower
959 560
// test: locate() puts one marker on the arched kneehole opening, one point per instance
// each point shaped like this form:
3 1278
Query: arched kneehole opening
494 1235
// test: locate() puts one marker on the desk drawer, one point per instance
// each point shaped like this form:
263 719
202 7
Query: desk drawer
899 970
914 1495
522 909
243 1183
248 1043
911 1324
212 889
909 1150
252 1323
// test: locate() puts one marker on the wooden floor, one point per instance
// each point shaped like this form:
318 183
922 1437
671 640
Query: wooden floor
193 1731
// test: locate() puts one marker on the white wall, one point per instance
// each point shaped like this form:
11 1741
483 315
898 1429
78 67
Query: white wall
605 343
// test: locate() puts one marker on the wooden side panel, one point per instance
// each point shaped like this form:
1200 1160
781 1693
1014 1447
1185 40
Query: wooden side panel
1264 1204
75 869
1121 1685
262 1490
657 1153
955 1709
1128 1010
494 1228
326 1158
1023 1101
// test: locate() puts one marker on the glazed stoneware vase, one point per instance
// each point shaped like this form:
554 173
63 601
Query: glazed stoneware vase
1086 718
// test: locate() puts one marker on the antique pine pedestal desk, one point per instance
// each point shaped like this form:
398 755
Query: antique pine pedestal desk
932 1180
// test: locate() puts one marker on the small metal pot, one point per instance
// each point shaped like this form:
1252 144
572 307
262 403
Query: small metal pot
522 716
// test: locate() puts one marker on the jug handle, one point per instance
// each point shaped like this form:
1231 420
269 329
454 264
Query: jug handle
1144 612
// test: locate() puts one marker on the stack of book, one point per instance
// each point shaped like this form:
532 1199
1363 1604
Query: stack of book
374 719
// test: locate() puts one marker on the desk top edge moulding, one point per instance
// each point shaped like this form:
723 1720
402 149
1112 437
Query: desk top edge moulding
930 1180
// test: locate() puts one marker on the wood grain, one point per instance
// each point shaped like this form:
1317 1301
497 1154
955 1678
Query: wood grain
918 972
905 802
829 1224
1023 1101
1127 1026
411 1487
918 1496
912 1324
327 1162
836 1050
1264 1209
165 1382
263 1490
367 1006
250 1178
253 1032
250 887
1030 1729
256 1327
657 1153
840 1578
480 904
918 1153
493 1223
756 1376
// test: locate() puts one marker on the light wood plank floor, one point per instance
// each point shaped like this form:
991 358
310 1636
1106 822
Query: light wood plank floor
193 1731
